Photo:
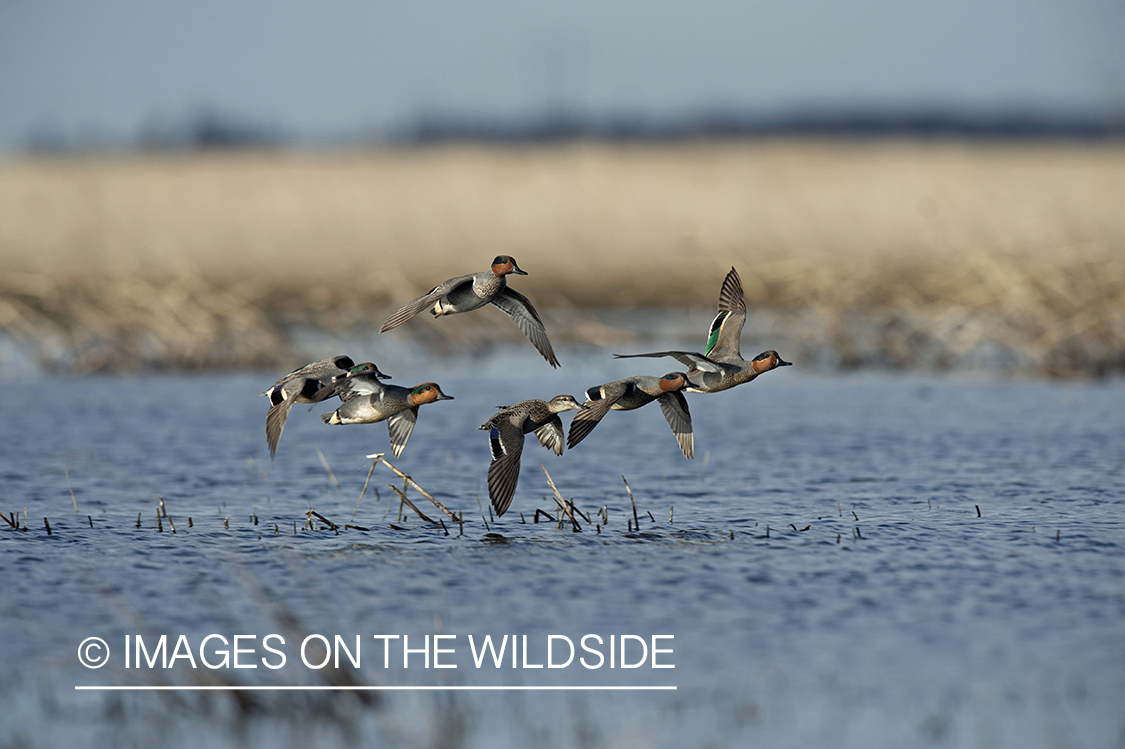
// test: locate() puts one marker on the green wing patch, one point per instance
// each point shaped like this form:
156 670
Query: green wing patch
716 326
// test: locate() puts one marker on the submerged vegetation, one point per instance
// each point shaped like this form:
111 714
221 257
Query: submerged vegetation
928 255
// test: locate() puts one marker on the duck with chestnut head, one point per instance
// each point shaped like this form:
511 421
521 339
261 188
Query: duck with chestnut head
631 393
368 401
721 366
466 293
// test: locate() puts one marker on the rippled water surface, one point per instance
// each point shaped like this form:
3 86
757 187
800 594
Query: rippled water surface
821 564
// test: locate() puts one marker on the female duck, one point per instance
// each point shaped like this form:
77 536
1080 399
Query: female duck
506 430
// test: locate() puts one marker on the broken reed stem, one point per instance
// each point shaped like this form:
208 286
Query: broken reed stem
561 502
313 513
408 503
328 468
69 486
636 522
378 458
48 525
9 521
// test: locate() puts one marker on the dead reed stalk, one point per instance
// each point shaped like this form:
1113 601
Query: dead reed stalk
636 522
406 501
562 503
378 458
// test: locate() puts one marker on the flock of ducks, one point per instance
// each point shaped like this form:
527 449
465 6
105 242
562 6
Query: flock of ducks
366 400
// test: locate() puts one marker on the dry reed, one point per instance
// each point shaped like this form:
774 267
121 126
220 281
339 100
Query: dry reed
896 253
378 458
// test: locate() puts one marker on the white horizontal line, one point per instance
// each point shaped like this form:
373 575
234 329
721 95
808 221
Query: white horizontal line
374 689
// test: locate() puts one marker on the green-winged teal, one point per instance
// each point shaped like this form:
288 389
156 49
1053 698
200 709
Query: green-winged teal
722 366
311 383
466 293
368 401
634 392
506 430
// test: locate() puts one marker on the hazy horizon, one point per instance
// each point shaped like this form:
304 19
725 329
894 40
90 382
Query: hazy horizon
112 71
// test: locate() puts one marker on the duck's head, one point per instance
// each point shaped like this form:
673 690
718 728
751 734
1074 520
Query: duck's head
505 264
428 392
768 360
343 362
673 381
367 368
561 403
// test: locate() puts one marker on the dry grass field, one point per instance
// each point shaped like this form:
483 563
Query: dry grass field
901 253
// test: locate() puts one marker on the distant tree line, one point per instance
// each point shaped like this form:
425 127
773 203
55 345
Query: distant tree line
216 131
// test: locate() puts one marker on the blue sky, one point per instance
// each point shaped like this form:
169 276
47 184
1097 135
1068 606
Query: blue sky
110 68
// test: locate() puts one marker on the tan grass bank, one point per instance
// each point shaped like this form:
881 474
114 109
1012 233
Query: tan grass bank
206 259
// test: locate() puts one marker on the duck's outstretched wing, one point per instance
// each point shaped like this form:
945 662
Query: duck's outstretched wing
400 426
726 328
675 408
687 358
506 443
592 411
413 307
518 307
550 434
275 423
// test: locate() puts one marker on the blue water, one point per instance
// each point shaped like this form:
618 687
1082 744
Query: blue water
878 610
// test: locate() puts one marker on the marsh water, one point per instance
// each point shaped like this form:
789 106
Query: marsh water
850 560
